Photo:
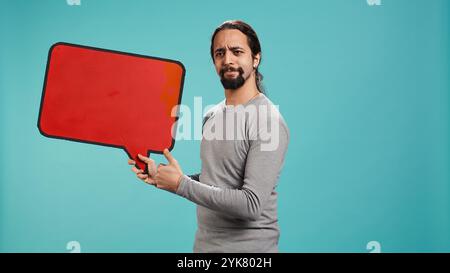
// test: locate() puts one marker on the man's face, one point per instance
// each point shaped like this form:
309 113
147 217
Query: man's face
233 58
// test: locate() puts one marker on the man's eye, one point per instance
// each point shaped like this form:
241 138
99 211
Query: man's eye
237 52
219 54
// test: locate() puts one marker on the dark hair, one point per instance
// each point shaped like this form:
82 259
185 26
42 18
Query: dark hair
252 40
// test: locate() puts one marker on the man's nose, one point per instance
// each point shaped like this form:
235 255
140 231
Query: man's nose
228 58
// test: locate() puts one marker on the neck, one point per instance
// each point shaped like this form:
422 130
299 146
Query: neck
243 94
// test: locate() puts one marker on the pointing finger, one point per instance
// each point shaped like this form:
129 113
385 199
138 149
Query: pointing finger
169 156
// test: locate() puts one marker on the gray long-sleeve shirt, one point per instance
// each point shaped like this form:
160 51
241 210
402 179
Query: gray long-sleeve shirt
242 151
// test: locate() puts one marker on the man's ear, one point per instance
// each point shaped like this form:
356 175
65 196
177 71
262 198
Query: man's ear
256 60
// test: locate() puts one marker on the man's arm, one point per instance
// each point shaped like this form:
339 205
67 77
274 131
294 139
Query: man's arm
261 174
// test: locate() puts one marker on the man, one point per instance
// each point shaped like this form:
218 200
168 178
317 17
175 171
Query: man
235 191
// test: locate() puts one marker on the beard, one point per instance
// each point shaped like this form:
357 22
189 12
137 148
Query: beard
232 83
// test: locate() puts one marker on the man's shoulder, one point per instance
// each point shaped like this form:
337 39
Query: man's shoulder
269 115
267 107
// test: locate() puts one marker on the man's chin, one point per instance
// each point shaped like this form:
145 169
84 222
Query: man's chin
232 84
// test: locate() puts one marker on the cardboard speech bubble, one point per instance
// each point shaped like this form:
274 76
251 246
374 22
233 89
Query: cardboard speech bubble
111 98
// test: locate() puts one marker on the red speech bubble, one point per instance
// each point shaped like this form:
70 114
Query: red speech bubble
111 98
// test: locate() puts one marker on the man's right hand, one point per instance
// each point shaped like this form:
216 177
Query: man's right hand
151 166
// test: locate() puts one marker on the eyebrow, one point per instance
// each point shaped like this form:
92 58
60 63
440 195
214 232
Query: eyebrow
221 49
236 47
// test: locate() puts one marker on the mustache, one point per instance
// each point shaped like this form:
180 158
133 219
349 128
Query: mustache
231 69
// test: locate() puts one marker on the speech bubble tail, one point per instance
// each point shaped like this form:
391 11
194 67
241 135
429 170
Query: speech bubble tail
133 154
141 165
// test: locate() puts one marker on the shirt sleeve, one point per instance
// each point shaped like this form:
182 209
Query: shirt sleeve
262 170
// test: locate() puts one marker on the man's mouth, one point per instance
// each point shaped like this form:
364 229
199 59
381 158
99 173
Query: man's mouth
231 73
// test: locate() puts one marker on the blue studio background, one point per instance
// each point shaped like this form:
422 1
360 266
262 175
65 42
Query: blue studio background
363 87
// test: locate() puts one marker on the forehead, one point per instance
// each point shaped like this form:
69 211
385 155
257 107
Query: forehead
230 38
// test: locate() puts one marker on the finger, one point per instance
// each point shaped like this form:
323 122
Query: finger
131 162
151 168
169 156
142 176
144 158
136 170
